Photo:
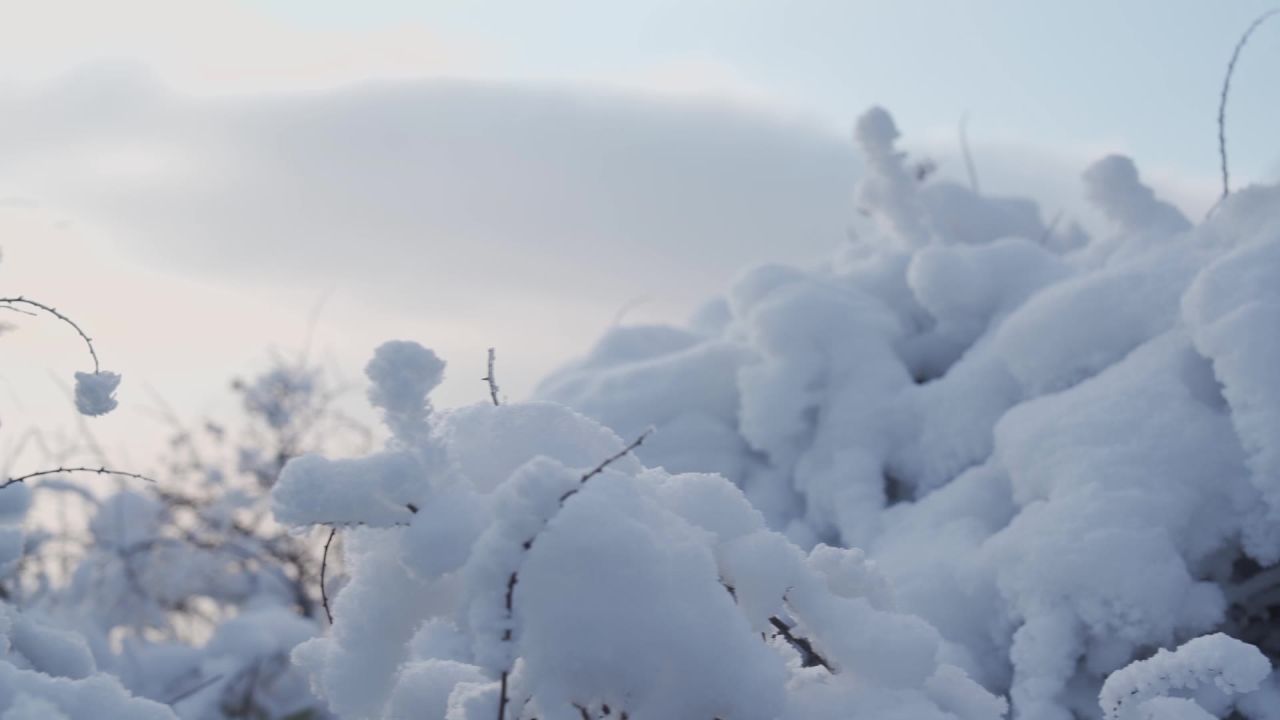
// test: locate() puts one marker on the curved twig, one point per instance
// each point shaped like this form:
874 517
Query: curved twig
324 568
61 470
1226 88
20 300
514 577
492 380
969 167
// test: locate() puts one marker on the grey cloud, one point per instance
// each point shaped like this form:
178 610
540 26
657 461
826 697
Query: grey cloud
435 193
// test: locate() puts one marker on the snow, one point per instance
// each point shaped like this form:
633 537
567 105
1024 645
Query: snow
96 392
1222 662
973 467
665 582
1054 449
1232 310
402 373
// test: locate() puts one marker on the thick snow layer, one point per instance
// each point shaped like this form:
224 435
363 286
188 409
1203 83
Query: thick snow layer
544 572
1058 452
1230 666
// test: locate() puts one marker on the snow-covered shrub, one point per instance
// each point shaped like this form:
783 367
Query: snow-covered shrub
182 590
515 561
194 593
48 670
1060 452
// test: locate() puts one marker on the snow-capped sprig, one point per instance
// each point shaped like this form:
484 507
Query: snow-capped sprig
95 391
888 191
1232 666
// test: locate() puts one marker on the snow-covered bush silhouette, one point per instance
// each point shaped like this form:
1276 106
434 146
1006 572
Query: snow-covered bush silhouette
48 670
191 576
182 587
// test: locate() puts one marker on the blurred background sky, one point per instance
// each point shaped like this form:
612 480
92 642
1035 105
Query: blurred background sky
198 182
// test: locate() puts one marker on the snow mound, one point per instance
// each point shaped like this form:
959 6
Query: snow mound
1059 451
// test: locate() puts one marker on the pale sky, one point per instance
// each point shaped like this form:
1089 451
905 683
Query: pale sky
189 179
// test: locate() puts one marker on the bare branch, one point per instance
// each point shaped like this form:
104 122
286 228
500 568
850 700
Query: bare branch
514 577
54 312
808 656
324 569
492 380
502 697
1226 88
62 470
609 461
968 156
192 691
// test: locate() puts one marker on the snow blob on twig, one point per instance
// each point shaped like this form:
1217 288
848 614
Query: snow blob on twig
96 392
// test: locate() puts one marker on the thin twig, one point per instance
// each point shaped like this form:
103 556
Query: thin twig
968 156
1226 88
54 312
502 697
616 456
324 558
324 568
188 693
1048 229
61 470
514 577
492 380
808 656
626 309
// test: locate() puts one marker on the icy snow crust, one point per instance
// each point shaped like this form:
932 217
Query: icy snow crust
982 467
